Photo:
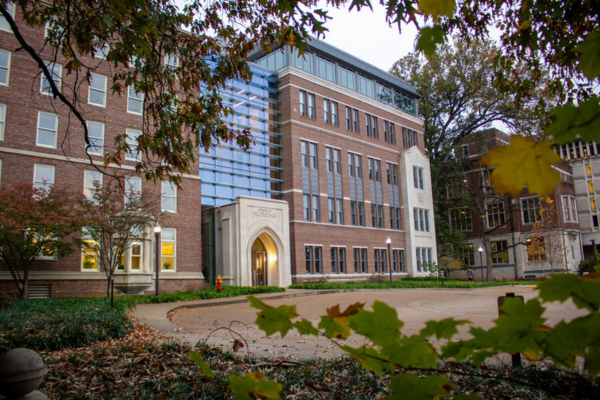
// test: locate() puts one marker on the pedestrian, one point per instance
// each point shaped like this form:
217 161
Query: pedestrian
470 275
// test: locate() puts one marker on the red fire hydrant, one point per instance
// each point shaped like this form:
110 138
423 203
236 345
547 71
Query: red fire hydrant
219 282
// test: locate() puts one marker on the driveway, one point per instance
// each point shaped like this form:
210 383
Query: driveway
414 307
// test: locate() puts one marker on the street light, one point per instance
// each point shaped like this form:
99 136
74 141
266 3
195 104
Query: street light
480 250
388 241
157 258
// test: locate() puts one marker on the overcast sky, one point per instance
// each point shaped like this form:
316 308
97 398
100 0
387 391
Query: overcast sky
366 35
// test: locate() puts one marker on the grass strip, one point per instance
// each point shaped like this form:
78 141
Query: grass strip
405 284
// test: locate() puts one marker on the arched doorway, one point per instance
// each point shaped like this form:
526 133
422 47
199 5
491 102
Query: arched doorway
259 263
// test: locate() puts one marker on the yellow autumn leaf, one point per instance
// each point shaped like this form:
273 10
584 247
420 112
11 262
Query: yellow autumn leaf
523 162
437 8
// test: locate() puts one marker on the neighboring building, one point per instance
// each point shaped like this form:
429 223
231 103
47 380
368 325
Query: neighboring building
338 166
508 222
584 160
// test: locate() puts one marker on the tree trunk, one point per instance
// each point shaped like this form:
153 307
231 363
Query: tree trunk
25 290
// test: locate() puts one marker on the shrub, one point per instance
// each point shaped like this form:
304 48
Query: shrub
5 300
587 266
376 278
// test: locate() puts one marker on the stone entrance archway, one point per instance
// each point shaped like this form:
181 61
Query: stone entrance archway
253 243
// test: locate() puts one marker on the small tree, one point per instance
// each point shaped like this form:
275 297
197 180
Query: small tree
119 220
547 242
36 222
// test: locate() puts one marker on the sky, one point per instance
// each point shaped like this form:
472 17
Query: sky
365 34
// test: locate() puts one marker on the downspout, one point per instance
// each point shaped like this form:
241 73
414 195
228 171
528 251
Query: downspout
512 229
562 234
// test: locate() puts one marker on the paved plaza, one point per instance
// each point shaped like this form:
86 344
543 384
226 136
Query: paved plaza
194 321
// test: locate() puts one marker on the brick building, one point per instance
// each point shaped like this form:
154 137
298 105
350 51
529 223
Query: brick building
508 222
337 168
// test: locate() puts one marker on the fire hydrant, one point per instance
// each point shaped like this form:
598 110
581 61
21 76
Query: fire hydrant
219 282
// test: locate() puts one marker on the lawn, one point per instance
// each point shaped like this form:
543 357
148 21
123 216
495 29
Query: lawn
406 283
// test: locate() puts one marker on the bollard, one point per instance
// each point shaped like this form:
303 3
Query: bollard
516 357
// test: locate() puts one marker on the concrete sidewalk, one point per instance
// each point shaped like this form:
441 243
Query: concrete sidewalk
155 315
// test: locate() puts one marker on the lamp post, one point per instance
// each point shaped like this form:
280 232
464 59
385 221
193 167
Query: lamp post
480 250
157 258
388 241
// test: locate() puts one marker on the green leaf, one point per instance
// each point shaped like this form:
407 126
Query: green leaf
429 38
437 8
584 290
571 121
443 329
521 163
305 327
381 326
271 319
412 352
371 359
337 323
589 60
253 386
197 358
410 386
592 361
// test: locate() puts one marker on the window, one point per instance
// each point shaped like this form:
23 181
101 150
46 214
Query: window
347 78
311 106
361 214
495 214
535 250
338 260
313 155
97 94
368 124
423 257
375 130
386 131
334 113
133 188
569 209
43 176
398 260
465 150
353 215
327 111
392 133
10 8
415 138
358 163
306 206
325 69
169 197
392 218
171 60
356 126
591 186
588 169
398 219
468 255
348 118
303 62
461 219
351 169
339 212
89 253
418 177
376 256
384 260
96 136
102 50
532 210
328 158
135 101
499 252
336 161
593 203
421 218
304 153
331 210
47 130
303 103
377 165
365 86
132 140
374 215
315 209
135 256
313 259
2 120
168 245
56 73
92 181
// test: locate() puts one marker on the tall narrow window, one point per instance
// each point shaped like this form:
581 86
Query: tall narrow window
361 214
2 120
336 161
327 111
358 163
386 131
96 136
374 215
4 67
168 245
92 182
348 118
90 251
356 124
331 210
368 124
133 188
339 212
56 73
375 130
10 8
97 94
328 158
135 101
169 197
303 103
350 164
334 113
312 113
315 209
171 60
132 140
357 261
313 155
47 129
392 133
306 206
43 176
376 258
353 215
304 153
